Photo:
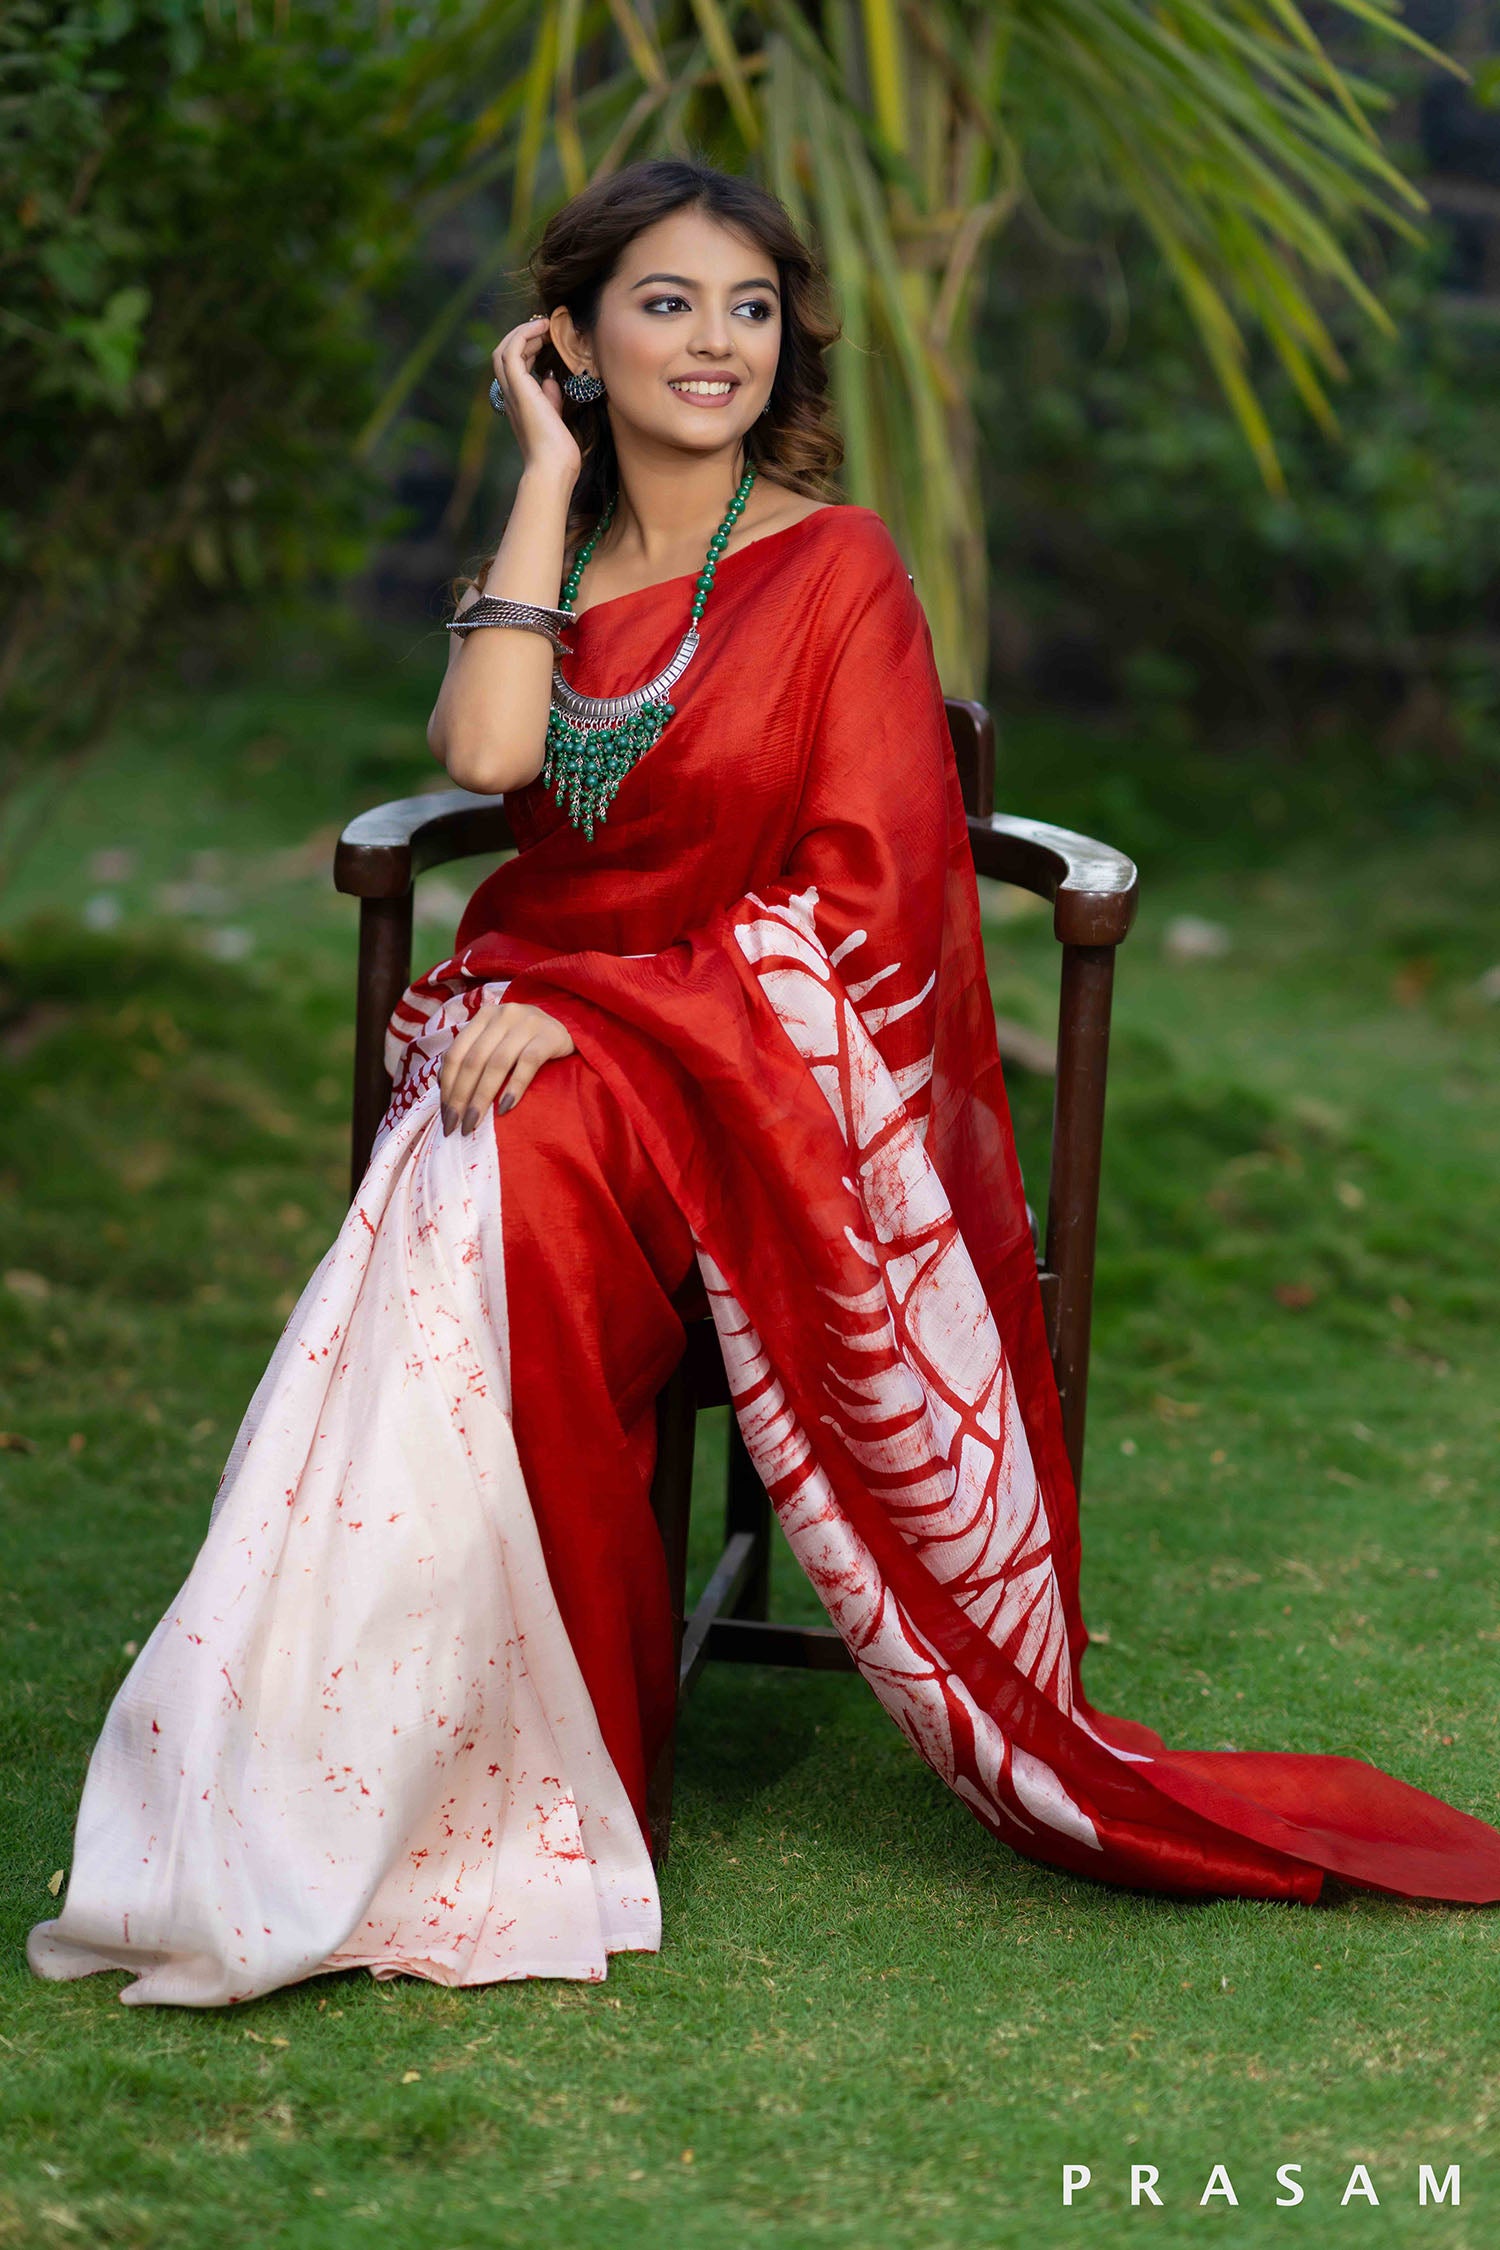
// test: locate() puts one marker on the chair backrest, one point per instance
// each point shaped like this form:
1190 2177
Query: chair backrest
973 733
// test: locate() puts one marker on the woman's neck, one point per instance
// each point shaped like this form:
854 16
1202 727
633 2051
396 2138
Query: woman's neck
667 503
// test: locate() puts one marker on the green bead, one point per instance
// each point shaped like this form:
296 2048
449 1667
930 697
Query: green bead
584 767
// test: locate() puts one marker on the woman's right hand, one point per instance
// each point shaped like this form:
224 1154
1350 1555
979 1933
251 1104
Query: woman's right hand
495 1057
534 409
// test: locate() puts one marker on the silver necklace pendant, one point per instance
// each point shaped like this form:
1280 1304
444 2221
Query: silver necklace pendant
592 711
594 740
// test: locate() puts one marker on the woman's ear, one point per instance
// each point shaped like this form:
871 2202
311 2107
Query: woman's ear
566 341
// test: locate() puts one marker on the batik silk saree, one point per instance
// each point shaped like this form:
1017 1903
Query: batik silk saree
402 1712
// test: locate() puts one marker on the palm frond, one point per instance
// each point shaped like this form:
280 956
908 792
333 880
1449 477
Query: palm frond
902 134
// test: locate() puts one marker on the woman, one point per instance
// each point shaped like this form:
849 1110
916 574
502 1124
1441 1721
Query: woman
721 1027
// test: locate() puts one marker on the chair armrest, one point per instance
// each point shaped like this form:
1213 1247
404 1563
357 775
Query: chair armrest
382 852
1093 887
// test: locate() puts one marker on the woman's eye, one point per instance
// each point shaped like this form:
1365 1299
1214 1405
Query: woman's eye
754 304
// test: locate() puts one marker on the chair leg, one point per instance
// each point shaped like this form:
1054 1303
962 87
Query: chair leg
747 1508
671 1500
1073 1196
384 974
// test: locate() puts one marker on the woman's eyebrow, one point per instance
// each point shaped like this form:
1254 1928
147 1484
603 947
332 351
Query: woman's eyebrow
757 281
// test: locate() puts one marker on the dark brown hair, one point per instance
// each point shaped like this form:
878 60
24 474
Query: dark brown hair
796 440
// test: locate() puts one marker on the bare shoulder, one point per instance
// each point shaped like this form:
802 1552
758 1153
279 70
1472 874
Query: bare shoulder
858 526
779 509
797 507
866 553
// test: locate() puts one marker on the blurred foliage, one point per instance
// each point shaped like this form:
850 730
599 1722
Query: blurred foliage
903 135
1138 553
210 223
187 218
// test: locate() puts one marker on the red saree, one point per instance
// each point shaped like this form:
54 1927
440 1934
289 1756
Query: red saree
771 957
401 1713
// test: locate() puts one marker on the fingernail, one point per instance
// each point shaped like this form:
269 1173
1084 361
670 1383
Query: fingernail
447 1117
471 1119
507 1101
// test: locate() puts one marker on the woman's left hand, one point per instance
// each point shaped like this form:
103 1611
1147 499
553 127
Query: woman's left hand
505 1041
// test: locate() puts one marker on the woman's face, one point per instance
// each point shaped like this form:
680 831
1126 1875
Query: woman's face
692 304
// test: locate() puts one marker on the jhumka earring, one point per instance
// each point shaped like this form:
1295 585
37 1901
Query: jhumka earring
583 388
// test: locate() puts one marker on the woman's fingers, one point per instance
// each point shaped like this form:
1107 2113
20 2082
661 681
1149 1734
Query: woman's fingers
534 408
502 1048
480 1089
466 1057
519 346
511 1071
534 1038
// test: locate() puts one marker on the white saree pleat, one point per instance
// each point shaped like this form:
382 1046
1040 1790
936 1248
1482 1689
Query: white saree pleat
360 1737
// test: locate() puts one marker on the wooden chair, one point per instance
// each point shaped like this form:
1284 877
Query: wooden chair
1093 890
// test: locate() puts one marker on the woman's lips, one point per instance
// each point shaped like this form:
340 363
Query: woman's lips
721 398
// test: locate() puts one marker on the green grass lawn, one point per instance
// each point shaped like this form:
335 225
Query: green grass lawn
868 2026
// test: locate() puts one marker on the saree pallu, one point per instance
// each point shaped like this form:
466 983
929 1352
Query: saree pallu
770 962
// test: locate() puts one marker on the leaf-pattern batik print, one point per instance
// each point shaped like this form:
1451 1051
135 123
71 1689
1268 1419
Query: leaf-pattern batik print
917 1393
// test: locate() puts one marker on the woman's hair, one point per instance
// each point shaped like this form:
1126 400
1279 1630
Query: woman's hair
796 440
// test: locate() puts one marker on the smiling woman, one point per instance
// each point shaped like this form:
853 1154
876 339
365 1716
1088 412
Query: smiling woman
728 1047
691 338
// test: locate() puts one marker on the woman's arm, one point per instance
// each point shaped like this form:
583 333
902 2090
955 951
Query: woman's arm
489 727
489 724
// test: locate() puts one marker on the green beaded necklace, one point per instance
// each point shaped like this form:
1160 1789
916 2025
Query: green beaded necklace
593 740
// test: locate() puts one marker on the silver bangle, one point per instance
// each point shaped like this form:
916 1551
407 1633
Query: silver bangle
494 609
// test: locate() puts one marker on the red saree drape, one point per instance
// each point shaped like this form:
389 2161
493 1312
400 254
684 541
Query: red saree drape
770 957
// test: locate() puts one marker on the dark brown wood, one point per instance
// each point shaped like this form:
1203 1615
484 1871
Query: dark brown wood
384 974
1094 890
382 852
703 1365
726 1583
1073 1190
671 1500
972 731
747 1509
377 860
1093 887
805 1648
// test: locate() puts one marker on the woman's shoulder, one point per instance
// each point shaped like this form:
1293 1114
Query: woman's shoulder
859 542
863 562
847 566
847 517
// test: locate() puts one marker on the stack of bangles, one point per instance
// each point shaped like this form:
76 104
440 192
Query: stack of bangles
493 609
